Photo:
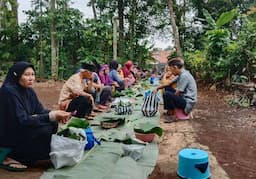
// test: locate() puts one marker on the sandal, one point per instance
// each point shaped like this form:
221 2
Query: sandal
169 119
92 114
97 110
11 167
168 113
89 118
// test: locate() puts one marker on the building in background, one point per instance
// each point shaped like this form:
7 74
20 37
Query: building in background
161 59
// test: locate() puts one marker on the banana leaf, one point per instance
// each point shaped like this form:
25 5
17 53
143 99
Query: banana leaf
67 133
148 128
226 17
117 94
123 169
78 123
105 162
121 120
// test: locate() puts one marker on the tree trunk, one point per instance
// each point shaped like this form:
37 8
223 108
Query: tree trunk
94 9
114 19
1 13
41 62
121 27
132 28
54 44
15 12
174 28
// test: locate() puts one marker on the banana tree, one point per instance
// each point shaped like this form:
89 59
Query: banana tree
217 41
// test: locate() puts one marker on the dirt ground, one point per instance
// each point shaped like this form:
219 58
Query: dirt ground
227 133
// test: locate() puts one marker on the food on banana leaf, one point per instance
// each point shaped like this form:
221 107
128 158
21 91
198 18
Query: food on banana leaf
78 123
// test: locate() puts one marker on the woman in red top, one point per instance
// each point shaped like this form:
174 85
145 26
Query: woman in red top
128 76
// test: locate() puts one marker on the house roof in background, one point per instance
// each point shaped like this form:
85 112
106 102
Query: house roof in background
161 55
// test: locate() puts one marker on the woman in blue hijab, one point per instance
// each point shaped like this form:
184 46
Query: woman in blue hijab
26 126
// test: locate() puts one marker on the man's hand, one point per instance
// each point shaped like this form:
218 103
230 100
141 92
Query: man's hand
155 90
75 94
177 92
90 97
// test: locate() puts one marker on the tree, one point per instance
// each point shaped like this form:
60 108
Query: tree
9 40
54 43
136 22
174 28
121 26
218 41
92 3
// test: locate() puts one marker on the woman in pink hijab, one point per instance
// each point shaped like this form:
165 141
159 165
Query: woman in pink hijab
128 76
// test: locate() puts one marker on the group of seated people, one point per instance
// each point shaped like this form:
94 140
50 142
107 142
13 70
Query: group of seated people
26 126
93 84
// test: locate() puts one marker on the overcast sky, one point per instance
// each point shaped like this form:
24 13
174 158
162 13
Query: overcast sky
78 4
87 11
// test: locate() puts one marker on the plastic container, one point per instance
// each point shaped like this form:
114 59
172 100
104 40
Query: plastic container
145 137
134 151
193 164
151 80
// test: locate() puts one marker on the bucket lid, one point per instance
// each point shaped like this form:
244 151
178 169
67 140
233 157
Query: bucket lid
193 153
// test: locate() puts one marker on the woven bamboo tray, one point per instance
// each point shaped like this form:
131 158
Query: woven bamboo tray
108 125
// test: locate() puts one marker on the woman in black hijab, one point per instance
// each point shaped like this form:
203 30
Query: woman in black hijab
113 74
25 126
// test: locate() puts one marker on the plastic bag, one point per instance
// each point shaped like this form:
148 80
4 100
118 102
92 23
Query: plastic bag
91 140
66 151
150 104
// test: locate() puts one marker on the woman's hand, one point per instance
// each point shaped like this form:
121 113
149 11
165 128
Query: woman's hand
60 116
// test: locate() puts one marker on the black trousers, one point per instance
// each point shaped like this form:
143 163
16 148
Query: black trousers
34 143
172 101
105 94
121 86
81 105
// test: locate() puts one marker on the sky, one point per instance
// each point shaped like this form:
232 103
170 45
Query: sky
87 12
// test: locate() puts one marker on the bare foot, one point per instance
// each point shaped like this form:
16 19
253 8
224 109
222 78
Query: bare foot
93 114
169 119
168 113
13 163
102 107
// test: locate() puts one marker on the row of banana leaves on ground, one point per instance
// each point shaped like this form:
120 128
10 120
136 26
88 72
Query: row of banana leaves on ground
144 128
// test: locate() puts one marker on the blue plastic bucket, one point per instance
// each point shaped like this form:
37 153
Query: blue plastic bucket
193 164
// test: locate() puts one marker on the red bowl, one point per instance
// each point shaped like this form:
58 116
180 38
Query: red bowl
145 137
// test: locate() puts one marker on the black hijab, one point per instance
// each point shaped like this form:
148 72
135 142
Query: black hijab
15 72
89 67
19 107
113 65
11 84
